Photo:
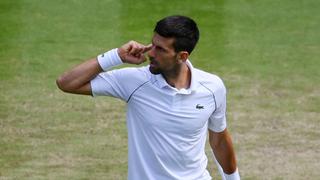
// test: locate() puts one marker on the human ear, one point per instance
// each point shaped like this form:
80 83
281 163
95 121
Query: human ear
183 56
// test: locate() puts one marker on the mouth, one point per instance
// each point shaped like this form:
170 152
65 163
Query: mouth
152 62
153 66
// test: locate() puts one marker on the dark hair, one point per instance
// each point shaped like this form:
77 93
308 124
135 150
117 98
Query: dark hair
182 28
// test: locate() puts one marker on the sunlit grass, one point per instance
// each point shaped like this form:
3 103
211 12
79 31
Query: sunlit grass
266 52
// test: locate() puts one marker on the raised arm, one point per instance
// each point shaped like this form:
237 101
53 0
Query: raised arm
222 148
77 80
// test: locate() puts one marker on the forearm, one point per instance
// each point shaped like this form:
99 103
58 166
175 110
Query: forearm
78 76
226 157
77 80
222 148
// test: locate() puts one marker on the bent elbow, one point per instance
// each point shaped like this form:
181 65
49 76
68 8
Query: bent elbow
62 84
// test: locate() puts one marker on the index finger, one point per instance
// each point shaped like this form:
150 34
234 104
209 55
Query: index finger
147 48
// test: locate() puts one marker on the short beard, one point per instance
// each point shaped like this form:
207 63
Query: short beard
154 70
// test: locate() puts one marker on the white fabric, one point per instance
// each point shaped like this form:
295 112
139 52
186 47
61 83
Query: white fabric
167 127
109 59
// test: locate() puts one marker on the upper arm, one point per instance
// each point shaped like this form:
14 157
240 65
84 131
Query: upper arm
84 90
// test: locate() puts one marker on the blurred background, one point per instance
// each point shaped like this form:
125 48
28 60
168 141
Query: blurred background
267 53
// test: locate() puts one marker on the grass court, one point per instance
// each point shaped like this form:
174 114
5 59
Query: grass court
267 53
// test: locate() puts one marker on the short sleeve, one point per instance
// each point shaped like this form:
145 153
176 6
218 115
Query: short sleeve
119 83
217 121
107 84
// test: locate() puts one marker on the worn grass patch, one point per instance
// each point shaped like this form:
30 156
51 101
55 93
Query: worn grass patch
266 52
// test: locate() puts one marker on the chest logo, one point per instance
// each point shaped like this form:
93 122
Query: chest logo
198 106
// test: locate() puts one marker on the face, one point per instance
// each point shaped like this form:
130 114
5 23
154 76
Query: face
163 58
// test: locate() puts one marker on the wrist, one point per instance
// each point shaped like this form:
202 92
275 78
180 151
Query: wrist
109 59
234 176
121 53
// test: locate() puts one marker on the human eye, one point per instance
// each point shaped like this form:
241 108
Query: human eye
159 48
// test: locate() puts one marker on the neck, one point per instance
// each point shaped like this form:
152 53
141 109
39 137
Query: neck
180 77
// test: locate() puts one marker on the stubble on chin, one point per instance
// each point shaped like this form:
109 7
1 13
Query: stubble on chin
154 70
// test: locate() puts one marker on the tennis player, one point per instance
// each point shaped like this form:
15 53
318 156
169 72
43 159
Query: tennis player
171 105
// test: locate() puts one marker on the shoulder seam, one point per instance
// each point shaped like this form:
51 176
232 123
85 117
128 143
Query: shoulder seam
214 97
136 90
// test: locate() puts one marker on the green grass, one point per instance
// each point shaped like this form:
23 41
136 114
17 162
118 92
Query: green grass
267 52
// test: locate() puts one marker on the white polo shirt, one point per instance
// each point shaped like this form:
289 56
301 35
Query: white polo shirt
167 127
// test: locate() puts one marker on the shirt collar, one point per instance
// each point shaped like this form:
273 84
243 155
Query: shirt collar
162 83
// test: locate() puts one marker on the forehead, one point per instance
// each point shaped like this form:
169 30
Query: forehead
164 42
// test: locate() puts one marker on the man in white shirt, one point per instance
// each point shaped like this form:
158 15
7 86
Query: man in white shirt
171 105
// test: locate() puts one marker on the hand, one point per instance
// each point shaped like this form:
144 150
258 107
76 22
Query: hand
133 52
